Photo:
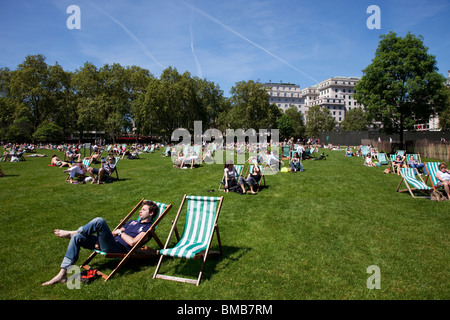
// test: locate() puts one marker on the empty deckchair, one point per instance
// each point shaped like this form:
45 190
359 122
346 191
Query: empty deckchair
412 183
365 150
383 159
202 214
239 168
116 158
139 250
400 153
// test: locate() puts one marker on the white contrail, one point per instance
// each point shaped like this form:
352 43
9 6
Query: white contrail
248 40
132 35
199 68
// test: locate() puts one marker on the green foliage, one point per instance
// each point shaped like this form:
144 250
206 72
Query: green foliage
285 126
444 115
250 108
48 132
319 119
401 86
355 120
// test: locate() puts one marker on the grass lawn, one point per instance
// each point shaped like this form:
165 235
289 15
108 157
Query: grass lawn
309 235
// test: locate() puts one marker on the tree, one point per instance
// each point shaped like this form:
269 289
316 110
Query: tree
298 125
401 86
444 116
355 120
285 126
29 87
319 119
48 132
250 107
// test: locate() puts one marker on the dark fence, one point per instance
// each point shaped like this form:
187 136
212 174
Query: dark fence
430 144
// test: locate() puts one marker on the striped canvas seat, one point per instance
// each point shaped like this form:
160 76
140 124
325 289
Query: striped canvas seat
136 251
200 218
432 168
382 158
412 183
202 214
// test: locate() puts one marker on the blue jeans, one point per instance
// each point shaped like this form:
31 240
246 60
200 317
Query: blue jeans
418 166
85 238
296 166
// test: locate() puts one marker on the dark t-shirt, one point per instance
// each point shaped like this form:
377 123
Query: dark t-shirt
133 228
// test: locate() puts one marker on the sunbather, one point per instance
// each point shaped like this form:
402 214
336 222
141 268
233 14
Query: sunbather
252 179
443 176
119 241
104 172
55 161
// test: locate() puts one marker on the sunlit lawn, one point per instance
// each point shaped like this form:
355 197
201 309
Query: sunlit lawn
309 235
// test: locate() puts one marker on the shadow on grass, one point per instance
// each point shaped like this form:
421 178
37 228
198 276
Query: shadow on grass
214 264
185 268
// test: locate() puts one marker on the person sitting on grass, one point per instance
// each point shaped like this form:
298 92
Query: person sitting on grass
368 161
295 163
252 179
120 241
104 173
443 176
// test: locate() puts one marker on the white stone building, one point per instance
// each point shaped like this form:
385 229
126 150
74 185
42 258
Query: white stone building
335 93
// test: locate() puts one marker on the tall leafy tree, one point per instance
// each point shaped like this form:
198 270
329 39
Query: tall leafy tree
319 119
355 120
250 107
29 85
298 125
401 86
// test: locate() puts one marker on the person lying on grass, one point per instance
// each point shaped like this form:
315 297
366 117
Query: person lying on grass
119 241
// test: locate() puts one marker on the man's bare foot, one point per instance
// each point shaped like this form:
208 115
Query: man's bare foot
61 277
64 234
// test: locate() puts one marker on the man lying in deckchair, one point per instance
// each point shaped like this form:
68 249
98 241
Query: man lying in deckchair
121 241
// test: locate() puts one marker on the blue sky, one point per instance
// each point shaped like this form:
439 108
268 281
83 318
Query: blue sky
226 41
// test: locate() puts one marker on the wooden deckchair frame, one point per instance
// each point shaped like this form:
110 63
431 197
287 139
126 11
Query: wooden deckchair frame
138 250
411 190
201 255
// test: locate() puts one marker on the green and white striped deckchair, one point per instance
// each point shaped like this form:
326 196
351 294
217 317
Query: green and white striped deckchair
138 250
239 168
202 214
412 183
261 169
116 158
432 168
382 158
